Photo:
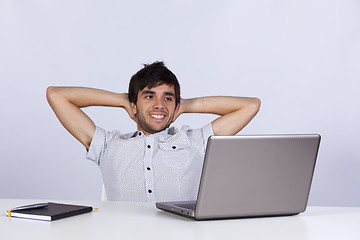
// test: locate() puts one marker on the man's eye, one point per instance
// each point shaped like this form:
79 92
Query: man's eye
168 99
149 96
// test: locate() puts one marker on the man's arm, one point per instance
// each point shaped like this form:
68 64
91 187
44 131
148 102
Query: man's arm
236 112
67 102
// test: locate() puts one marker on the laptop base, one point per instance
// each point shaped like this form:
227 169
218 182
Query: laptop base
192 217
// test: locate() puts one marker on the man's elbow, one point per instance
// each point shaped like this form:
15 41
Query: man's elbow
255 104
51 93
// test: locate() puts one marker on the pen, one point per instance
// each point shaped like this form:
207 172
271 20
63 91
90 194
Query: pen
32 206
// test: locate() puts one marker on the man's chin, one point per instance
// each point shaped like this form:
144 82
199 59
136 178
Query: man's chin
151 130
160 129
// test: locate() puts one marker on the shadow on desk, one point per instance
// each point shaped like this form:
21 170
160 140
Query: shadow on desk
294 227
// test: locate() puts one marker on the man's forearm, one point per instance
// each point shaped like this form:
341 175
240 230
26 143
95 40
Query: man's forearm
84 97
235 112
219 105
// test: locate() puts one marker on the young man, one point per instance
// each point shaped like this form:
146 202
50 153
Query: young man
157 162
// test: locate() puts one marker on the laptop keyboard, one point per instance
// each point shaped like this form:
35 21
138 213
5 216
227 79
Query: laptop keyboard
190 206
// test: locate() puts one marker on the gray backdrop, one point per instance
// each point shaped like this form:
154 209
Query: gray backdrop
301 58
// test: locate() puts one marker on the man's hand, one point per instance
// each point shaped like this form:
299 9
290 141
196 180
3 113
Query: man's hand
127 106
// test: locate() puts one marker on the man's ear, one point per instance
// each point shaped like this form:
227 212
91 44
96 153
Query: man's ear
177 108
176 112
133 108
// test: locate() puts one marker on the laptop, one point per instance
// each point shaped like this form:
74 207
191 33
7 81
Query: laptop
252 176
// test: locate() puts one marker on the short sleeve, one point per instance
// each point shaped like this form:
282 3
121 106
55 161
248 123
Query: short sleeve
97 145
199 136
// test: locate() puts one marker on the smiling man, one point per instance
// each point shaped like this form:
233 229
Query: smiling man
155 109
157 162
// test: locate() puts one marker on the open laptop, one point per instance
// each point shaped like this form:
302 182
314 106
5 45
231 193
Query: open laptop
252 176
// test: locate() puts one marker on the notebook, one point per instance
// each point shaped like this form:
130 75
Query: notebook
53 211
252 176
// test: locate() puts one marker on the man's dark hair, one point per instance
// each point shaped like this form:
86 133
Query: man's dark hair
152 75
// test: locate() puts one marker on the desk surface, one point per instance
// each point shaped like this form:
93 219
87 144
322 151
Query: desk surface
143 220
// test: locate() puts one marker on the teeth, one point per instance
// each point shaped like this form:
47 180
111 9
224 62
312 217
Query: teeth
158 116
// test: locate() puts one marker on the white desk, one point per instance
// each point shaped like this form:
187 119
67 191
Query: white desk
121 220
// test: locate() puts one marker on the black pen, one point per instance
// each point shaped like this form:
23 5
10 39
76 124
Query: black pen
32 206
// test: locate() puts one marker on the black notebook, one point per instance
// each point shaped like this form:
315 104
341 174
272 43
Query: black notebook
53 211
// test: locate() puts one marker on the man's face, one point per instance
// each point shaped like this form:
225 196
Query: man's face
155 108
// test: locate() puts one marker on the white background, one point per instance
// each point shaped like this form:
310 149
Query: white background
301 58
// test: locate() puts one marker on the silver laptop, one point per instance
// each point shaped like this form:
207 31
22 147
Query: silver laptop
252 176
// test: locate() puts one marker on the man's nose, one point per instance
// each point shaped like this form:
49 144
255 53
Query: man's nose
158 103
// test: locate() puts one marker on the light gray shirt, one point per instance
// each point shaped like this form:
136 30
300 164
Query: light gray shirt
165 166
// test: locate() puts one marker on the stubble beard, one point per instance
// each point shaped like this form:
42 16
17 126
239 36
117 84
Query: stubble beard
142 124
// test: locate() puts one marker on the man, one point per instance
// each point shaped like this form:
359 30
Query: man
157 162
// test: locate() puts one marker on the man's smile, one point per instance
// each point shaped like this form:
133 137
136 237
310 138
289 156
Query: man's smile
157 116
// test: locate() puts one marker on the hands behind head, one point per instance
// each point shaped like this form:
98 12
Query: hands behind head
127 106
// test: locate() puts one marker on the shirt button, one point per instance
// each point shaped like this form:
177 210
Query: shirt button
139 133
173 147
148 146
148 168
149 191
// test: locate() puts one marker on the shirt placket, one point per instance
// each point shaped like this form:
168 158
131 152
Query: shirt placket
148 169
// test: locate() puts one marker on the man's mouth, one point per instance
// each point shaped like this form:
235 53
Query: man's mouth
156 116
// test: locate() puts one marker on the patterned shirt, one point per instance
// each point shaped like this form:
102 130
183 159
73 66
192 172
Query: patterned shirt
165 166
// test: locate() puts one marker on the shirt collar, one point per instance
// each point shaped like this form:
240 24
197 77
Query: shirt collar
168 132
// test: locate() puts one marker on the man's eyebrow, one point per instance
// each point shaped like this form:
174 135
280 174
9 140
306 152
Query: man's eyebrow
147 92
169 94
152 92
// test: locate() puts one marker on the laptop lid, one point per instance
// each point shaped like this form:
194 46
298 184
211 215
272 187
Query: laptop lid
249 176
